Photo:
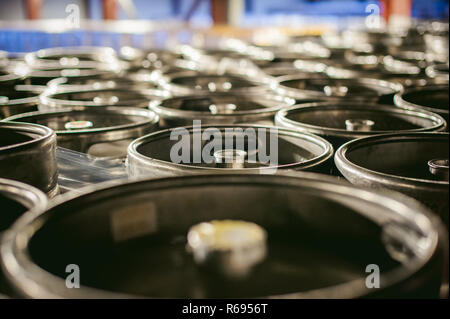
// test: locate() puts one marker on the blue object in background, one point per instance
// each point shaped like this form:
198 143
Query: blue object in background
256 12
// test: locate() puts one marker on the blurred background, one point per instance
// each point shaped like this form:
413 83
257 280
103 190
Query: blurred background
29 25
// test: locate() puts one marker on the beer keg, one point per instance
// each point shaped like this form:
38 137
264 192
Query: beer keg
363 89
27 154
15 199
433 98
415 164
51 99
219 108
99 131
15 102
339 122
220 148
302 236
189 82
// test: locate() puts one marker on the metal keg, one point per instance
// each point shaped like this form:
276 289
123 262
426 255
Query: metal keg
28 155
51 99
15 199
221 148
12 75
72 57
362 89
438 72
433 98
189 82
15 102
135 81
219 108
98 131
41 77
298 67
339 122
415 164
305 236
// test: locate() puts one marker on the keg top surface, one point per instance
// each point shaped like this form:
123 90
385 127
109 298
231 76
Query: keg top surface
430 97
348 88
88 120
211 82
98 97
14 136
15 199
293 149
361 228
332 119
11 96
412 167
224 104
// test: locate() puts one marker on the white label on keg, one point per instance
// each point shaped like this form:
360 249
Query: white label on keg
140 221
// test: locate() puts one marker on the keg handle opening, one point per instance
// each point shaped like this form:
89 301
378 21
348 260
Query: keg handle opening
105 99
69 61
231 248
336 90
78 125
360 125
439 168
230 158
222 108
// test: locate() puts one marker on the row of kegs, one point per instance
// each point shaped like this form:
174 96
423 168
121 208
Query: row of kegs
365 107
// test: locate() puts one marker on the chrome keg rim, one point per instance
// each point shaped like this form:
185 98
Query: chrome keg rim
281 118
177 89
44 133
345 165
282 89
136 159
35 282
147 116
27 195
400 101
49 98
163 109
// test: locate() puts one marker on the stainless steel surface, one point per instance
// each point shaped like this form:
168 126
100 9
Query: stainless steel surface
399 162
433 98
16 198
150 155
334 120
315 216
220 108
51 99
15 102
189 82
28 155
101 131
362 89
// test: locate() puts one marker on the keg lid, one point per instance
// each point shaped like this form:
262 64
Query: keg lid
353 120
229 246
362 89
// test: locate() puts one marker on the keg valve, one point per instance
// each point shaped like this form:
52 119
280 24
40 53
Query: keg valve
439 168
359 125
230 158
229 247
78 125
